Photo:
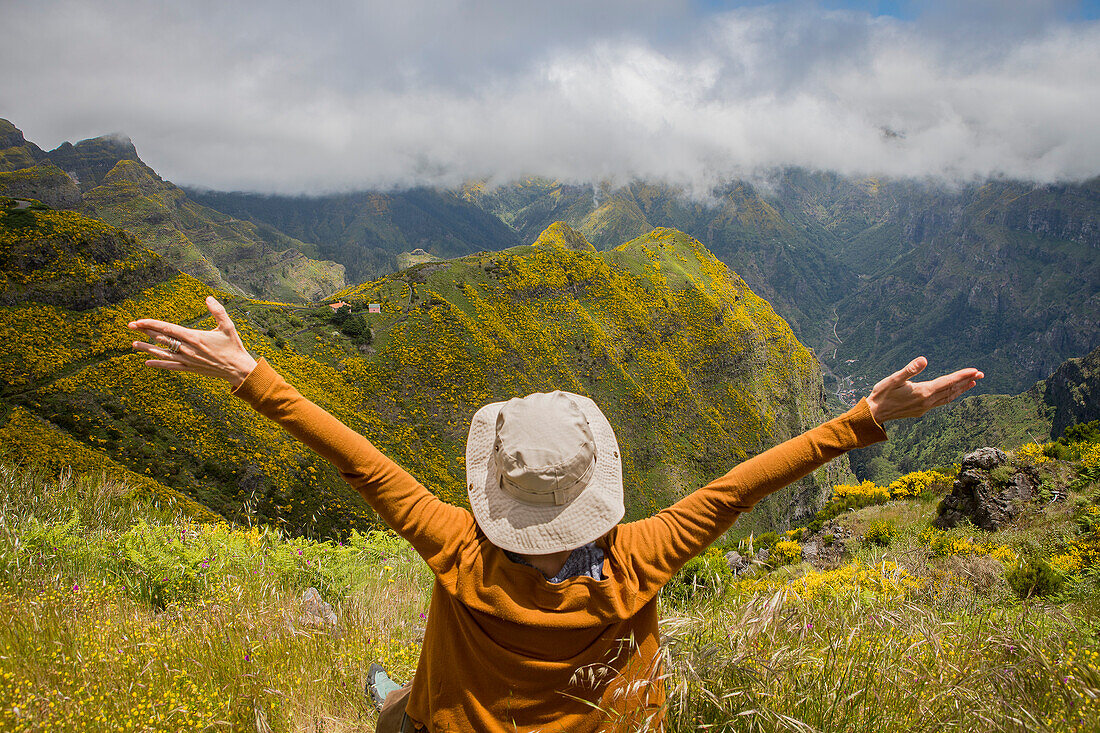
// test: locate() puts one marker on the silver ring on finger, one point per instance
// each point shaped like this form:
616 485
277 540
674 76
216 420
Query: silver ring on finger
173 346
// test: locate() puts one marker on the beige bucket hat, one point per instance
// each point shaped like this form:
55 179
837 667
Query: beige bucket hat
544 473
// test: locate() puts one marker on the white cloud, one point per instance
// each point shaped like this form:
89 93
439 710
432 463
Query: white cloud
272 97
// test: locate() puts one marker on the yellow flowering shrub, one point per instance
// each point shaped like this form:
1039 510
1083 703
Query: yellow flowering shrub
883 580
1004 555
785 552
1031 454
863 494
949 543
1090 458
914 484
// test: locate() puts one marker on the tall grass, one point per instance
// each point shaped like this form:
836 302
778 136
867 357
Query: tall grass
110 628
122 614
772 663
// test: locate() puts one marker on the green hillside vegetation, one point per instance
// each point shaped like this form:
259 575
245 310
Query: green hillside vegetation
217 249
104 178
366 231
89 161
146 618
1069 396
1001 275
784 263
46 183
15 151
692 368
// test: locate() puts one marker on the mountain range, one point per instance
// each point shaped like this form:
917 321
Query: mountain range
869 272
693 369
1003 275
1000 274
104 178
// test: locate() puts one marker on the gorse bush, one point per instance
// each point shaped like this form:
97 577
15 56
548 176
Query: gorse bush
1030 454
880 533
1090 462
785 552
912 485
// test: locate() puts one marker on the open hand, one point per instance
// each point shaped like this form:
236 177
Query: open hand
896 397
215 353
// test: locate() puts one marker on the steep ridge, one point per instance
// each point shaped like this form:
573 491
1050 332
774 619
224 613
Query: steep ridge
207 244
694 370
15 151
105 178
367 231
792 266
1070 395
1002 274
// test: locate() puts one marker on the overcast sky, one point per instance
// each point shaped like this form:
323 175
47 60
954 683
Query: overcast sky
312 97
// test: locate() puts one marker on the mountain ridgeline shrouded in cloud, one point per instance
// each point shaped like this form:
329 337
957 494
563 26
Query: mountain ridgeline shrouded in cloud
381 95
694 370
869 272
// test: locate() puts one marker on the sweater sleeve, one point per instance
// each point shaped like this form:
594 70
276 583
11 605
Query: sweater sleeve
436 530
659 546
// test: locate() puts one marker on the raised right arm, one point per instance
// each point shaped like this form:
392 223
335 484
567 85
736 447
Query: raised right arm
435 529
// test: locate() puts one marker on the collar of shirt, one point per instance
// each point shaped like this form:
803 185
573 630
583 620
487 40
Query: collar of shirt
586 560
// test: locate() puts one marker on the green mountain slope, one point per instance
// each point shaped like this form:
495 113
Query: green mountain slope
694 370
15 151
46 183
1003 274
1070 395
790 265
230 253
365 232
105 178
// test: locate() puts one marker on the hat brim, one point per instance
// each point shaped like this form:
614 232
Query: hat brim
539 529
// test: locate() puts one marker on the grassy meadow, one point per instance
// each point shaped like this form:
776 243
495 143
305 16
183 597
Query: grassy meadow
125 613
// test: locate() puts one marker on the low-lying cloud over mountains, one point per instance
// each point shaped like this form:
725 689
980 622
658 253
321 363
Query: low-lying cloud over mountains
289 98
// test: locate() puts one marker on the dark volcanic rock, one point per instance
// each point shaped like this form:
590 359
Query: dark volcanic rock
983 497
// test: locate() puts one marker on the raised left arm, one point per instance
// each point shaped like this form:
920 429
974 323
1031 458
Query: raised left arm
660 545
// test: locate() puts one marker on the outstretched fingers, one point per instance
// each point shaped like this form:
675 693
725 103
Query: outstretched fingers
221 316
152 327
950 386
175 366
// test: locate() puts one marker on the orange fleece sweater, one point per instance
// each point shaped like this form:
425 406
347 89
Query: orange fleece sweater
505 650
